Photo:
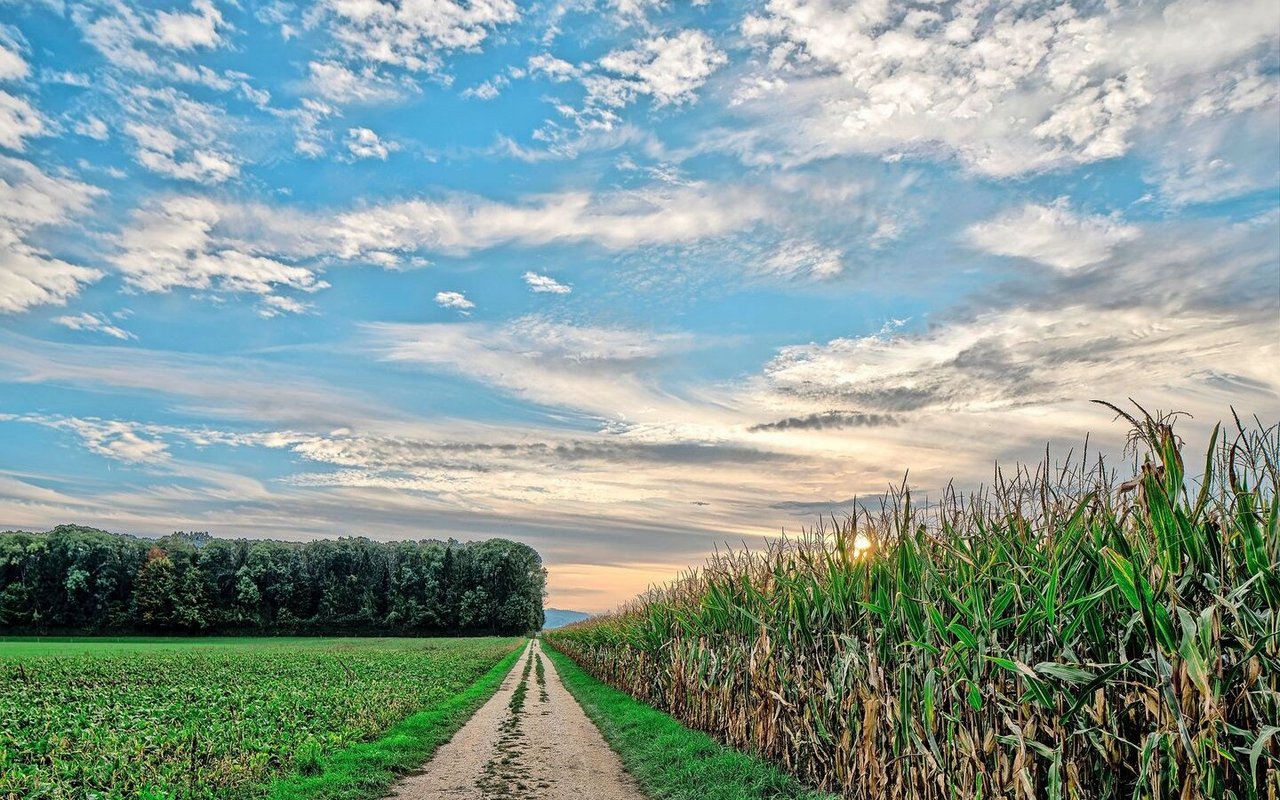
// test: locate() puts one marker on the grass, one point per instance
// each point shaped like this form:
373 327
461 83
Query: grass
670 761
204 720
12 647
1068 633
368 770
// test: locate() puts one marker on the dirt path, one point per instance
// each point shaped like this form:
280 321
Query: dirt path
531 741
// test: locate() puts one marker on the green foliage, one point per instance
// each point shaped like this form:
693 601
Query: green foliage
225 721
368 769
1062 635
84 580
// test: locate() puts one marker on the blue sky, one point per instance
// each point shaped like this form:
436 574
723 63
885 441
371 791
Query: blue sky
621 279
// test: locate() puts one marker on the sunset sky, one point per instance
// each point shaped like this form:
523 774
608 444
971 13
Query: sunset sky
623 280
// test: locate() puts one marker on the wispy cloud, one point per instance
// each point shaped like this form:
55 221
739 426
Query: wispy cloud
1053 235
93 322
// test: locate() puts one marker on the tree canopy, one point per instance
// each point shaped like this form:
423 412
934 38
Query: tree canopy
86 580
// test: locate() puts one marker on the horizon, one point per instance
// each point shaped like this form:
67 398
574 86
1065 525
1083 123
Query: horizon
621 280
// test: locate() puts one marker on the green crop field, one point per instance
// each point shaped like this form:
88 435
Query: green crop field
215 718
1065 635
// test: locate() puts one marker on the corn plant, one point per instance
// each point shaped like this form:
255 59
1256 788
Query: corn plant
1060 634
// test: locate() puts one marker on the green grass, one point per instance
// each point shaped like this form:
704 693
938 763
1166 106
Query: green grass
368 770
211 719
670 761
31 646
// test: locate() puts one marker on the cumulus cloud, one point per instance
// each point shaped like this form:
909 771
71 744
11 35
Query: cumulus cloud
144 41
185 30
670 69
454 300
545 284
364 143
98 323
556 69
31 200
1006 89
1053 235
412 35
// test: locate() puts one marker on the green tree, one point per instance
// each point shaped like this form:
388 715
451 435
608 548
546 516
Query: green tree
191 602
153 591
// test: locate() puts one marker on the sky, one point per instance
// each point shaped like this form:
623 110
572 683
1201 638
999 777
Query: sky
625 279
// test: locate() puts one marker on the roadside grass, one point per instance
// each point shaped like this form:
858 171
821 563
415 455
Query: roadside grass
368 770
670 761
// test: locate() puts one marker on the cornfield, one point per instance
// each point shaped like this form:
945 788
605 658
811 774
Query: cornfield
1061 634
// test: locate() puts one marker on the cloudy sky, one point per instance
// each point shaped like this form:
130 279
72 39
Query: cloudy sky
621 279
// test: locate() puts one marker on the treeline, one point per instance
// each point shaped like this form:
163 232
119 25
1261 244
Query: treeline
86 580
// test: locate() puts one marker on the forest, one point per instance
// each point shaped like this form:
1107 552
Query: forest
74 579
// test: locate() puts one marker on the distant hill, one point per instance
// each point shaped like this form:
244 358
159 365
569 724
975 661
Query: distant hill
556 617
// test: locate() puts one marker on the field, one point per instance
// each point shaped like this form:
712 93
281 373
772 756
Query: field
216 718
1067 634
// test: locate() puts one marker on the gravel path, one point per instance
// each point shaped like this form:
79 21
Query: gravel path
531 741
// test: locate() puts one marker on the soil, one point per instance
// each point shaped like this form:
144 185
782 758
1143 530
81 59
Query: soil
531 741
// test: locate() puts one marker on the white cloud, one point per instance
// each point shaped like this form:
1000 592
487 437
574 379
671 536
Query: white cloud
171 244
94 322
464 224
1052 235
1226 150
129 442
66 78
413 35
309 139
456 300
803 258
31 200
364 143
185 31
179 137
667 69
12 65
142 41
93 128
554 68
340 84
545 284
19 121
488 90
1006 89
606 371
1005 360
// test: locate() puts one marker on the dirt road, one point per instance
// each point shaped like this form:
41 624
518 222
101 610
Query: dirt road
531 741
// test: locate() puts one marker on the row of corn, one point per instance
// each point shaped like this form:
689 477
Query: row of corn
1063 634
